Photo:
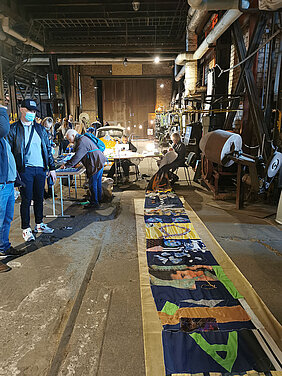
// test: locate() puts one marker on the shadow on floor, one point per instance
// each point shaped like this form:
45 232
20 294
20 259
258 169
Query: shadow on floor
66 227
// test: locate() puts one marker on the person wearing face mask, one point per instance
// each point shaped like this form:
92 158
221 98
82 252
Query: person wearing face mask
33 154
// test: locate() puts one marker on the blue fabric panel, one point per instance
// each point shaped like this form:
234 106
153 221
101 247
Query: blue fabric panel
189 258
162 294
183 355
174 202
167 219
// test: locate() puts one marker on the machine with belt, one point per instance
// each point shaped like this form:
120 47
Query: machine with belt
222 150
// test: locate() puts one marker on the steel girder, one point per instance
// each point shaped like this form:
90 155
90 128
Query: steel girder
246 79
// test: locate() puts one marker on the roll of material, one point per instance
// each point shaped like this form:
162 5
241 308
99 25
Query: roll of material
217 144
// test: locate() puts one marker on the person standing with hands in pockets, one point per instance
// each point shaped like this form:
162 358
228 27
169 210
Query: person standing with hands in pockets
33 154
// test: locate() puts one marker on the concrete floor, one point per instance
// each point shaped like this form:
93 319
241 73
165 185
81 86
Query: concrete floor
71 304
58 289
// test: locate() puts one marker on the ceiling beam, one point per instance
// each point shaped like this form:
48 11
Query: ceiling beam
103 49
74 14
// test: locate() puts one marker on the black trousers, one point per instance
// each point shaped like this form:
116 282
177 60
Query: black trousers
125 164
170 168
34 180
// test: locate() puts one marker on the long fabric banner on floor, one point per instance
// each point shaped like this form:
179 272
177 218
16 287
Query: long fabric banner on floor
207 324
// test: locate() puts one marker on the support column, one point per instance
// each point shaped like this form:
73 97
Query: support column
223 50
13 99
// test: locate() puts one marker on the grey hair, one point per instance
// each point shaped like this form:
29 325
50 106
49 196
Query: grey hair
71 132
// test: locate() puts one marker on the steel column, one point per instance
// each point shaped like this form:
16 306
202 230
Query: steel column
247 78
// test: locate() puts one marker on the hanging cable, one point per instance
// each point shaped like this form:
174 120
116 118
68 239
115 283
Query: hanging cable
251 147
248 57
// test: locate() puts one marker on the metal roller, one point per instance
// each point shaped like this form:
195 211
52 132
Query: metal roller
217 144
274 165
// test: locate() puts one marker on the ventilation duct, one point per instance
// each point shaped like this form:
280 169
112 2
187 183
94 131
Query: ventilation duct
228 18
181 59
180 74
94 60
6 39
218 4
271 5
197 18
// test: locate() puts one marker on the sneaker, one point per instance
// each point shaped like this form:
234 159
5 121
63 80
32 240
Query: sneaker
28 235
91 206
12 252
4 267
42 227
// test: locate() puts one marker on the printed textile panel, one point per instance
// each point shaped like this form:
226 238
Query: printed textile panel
206 329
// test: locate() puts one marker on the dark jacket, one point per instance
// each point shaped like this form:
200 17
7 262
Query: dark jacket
180 149
4 130
17 142
87 153
132 147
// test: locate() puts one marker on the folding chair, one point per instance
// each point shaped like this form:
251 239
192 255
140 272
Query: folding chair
188 162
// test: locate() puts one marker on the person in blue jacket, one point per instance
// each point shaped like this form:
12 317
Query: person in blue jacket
8 174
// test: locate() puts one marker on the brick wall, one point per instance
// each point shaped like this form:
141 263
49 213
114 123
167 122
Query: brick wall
163 68
96 70
163 95
89 97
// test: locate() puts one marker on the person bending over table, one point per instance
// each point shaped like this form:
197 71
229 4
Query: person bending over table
180 149
87 152
124 163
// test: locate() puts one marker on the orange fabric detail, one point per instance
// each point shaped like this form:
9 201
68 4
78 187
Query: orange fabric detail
221 314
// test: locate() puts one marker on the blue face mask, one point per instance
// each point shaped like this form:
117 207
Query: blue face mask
29 116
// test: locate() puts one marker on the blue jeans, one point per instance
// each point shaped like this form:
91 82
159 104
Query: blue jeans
7 203
95 186
34 179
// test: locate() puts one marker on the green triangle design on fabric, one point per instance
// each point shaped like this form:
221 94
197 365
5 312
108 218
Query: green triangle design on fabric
222 277
231 349
170 308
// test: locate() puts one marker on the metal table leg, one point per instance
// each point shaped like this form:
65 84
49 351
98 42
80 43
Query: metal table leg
116 173
69 185
62 203
75 187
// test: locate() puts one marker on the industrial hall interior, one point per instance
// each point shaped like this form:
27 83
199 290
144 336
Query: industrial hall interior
140 188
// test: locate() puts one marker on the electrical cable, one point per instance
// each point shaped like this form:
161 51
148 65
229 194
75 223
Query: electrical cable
248 57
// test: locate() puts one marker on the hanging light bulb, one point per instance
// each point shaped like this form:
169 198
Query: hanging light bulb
135 5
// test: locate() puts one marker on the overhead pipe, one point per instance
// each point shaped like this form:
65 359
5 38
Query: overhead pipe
6 28
191 11
194 17
183 58
94 60
218 4
180 74
197 18
228 18
6 39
